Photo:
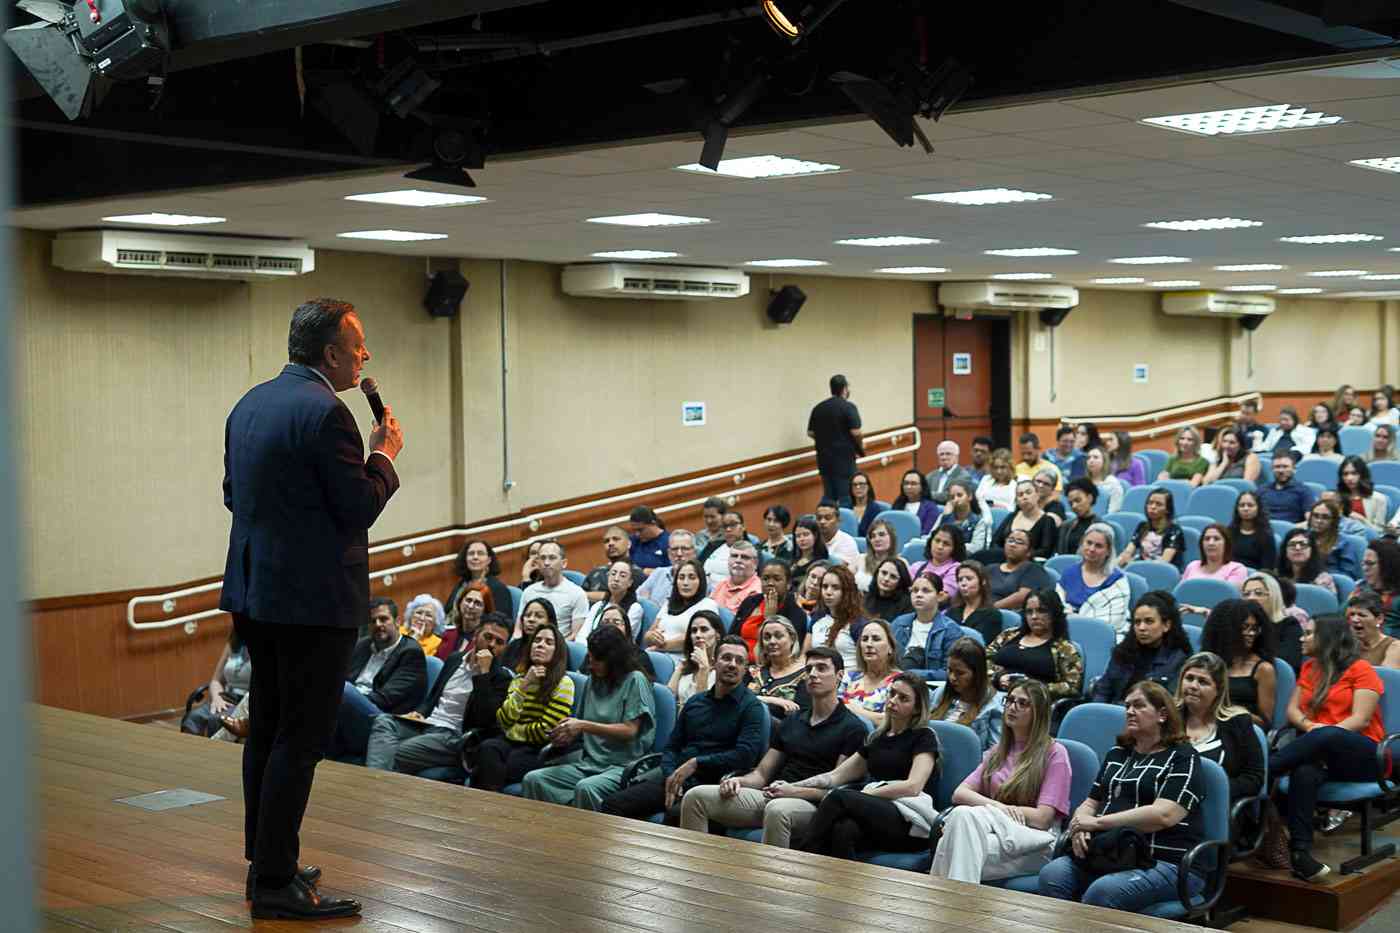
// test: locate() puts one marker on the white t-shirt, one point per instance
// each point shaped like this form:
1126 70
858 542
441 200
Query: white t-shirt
844 643
673 626
843 547
717 566
568 598
595 615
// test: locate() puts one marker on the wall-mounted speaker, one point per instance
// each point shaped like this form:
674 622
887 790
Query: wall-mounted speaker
1053 317
445 293
787 301
1252 321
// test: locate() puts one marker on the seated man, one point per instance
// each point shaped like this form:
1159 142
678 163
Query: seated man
839 545
657 587
1286 499
801 746
1289 436
568 599
949 471
742 581
981 459
1032 462
388 674
1247 423
713 514
1067 460
718 731
649 539
466 696
716 556
616 546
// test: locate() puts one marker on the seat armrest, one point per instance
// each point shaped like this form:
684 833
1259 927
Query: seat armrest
1237 811
1063 705
1389 785
1215 883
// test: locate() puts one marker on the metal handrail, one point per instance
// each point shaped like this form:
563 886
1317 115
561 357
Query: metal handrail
1165 412
407 546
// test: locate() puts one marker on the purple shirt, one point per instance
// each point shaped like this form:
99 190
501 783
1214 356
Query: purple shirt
1134 475
1054 788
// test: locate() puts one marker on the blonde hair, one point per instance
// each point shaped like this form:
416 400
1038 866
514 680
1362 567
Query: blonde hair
1022 787
1273 605
1214 665
872 560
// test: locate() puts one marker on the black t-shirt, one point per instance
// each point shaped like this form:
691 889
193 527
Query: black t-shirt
890 757
988 621
809 749
831 422
1128 780
1037 663
1030 574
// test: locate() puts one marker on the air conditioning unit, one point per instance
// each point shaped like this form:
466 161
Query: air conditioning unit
136 252
1005 295
1216 304
686 283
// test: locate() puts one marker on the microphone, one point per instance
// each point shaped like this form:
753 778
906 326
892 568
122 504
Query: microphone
371 390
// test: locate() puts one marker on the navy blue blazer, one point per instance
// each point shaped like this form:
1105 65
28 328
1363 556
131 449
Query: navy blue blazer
303 498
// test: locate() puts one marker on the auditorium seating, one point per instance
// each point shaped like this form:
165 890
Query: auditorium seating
1316 600
1204 592
1316 470
1215 502
1159 576
906 526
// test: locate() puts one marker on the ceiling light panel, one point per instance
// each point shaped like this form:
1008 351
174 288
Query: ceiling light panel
983 196
636 254
649 220
912 270
1389 164
393 236
1250 288
164 220
412 197
1301 291
785 263
1338 274
1387 277
1024 276
764 166
888 241
1243 121
1120 280
1026 251
1149 260
1252 267
1175 283
1209 223
1327 239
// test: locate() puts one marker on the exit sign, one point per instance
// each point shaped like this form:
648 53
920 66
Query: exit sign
936 398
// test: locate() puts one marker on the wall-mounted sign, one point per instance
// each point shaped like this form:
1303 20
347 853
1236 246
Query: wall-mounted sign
962 364
692 414
1140 372
936 398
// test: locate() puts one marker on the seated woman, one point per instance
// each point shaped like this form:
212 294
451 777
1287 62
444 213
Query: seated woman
780 683
840 625
473 601
537 701
1321 416
616 724
899 763
810 548
1151 782
968 697
1047 482
1301 560
1365 616
1129 470
1158 538
924 637
1251 535
1017 576
1005 812
1094 587
537 612
1218 730
1285 634
614 616
1356 417
1380 569
1326 445
964 512
997 490
888 598
530 567
972 605
228 685
688 596
809 592
622 592
1187 463
1325 522
1098 471
1039 525
864 502
1154 651
1082 494
1382 444
865 689
1086 436
1236 460
882 544
943 552
916 498
1039 650
1217 561
695 673
1238 631
1358 494
775 599
1383 411
777 543
1344 398
424 622
1336 710
477 563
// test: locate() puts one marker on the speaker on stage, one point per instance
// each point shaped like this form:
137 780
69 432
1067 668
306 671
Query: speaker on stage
445 293
787 301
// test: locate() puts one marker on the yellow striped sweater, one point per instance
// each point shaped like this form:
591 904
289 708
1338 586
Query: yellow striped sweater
528 718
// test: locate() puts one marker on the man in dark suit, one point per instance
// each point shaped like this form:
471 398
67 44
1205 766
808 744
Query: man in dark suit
388 674
303 497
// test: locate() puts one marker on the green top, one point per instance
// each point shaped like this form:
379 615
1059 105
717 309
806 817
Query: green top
1178 468
631 700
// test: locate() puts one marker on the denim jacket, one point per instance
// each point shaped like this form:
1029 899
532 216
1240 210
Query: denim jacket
941 637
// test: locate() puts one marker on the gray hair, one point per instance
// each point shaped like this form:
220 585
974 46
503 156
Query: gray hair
948 445
1107 530
743 544
315 325
424 599
684 532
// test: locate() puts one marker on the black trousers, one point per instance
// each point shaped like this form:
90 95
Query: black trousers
848 821
501 763
298 676
642 799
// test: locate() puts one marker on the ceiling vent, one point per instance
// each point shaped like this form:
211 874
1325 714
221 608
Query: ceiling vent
135 252
684 283
1005 295
1216 304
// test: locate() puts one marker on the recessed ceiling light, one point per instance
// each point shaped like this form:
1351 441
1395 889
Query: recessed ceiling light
1250 288
1301 291
1388 277
649 220
1032 251
1211 223
1024 276
983 196
164 220
412 197
636 254
785 263
397 236
1390 164
1120 280
1274 118
764 166
912 270
1328 238
888 241
1149 260
1338 274
1252 267
1175 283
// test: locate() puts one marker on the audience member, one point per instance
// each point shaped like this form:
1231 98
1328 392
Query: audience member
778 543
649 539
533 614
530 567
712 512
1358 494
1322 416
973 606
1093 586
889 593
964 511
841 624
1217 558
1129 470
864 502
536 702
1236 460
1356 417
1038 649
1150 782
916 499
570 602
865 689
1004 812
1251 536
1158 538
424 622
1336 711
388 674
1342 554
668 632
477 563
779 680
1082 494
1247 424
468 692
1326 445
1066 456
947 472
899 762
1344 398
1382 444
1216 728
1154 650
809 592
743 580
1289 437
1380 571
1365 616
1301 560
1100 474
924 636
1383 410
997 488
231 680
473 602
1187 463
806 744
839 545
1046 493
1347 524
1241 634
881 544
943 552
614 616
621 592
617 546
968 697
656 588
1014 578
1286 498
1086 436
1032 462
811 549
774 599
834 427
716 553
692 675
615 725
1285 637
981 458
1040 526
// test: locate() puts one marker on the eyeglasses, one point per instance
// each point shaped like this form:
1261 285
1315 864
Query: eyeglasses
1018 702
731 524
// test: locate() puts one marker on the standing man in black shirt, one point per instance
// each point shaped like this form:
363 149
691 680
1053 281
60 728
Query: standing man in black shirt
835 427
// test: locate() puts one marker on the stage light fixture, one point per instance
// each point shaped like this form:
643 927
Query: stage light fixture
779 20
796 28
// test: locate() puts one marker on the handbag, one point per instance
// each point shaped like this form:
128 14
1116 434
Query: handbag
1114 850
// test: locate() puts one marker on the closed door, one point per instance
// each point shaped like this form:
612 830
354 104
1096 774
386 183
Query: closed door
962 382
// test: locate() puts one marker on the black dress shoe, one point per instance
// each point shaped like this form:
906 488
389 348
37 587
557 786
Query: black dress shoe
310 874
299 901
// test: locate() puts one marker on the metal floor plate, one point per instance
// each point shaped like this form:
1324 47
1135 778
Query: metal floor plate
169 799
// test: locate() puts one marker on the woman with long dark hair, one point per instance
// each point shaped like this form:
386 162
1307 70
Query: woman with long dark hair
695 673
1236 460
1129 470
972 601
809 547
1380 571
1240 633
537 701
689 595
1301 560
888 598
1336 549
1251 535
477 563
964 511
1040 650
534 614
968 697
1358 494
1158 538
621 592
916 498
943 552
1154 650
864 502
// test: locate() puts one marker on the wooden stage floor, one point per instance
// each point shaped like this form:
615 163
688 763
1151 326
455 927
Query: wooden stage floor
429 858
